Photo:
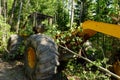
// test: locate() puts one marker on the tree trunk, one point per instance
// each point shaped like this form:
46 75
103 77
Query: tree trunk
17 27
5 9
72 13
0 8
84 10
81 12
4 13
12 13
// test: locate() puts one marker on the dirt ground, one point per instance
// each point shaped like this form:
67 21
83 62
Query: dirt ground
13 70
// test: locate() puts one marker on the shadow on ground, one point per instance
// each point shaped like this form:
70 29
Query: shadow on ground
13 70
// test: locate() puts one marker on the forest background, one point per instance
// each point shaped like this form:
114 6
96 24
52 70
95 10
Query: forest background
67 17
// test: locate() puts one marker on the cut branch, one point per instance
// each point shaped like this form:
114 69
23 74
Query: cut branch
88 60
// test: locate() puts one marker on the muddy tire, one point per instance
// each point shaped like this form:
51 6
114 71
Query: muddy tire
13 46
41 57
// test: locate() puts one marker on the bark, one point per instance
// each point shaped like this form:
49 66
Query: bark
12 13
81 12
17 27
5 9
72 13
84 10
0 8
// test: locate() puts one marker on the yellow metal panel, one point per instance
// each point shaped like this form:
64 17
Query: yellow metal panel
92 26
88 32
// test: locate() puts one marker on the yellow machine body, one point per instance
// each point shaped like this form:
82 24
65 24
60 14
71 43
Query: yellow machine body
92 27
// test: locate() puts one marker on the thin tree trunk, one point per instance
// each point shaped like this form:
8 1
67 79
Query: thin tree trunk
34 20
81 12
17 27
98 10
72 13
12 13
5 9
84 10
28 4
0 8
97 18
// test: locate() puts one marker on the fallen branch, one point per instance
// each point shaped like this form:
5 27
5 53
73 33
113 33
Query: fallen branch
88 60
6 50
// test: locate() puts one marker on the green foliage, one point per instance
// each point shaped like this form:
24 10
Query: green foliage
30 6
62 17
4 33
28 30
98 10
10 2
45 7
88 72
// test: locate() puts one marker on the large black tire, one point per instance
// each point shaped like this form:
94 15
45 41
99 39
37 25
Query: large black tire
13 46
41 57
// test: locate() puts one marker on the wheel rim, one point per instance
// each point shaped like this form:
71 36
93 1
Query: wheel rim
31 57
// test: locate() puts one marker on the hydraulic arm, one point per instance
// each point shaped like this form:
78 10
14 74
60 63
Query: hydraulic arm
90 28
